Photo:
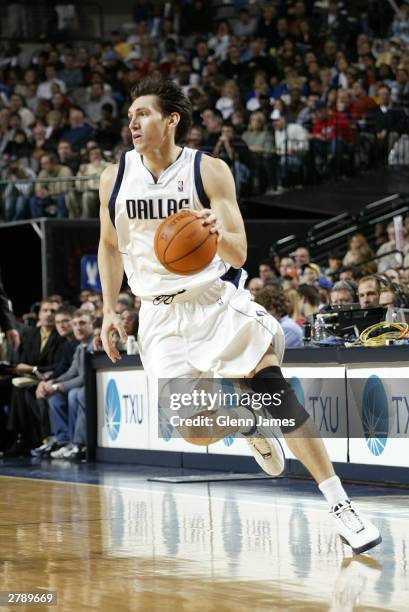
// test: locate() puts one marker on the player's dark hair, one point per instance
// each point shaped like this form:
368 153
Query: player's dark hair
171 99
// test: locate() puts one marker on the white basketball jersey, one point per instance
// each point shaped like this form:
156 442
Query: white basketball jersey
138 205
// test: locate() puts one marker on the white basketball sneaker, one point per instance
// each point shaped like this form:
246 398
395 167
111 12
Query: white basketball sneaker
268 453
355 531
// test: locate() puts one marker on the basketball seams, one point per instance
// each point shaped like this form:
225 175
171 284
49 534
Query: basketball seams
175 234
190 252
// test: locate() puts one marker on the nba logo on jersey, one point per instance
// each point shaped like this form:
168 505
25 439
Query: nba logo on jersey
180 185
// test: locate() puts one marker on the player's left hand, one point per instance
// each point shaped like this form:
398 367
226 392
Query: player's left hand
209 218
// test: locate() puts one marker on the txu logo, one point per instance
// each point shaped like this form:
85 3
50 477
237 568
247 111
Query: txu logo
375 415
112 410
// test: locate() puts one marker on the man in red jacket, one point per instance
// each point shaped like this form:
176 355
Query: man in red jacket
331 135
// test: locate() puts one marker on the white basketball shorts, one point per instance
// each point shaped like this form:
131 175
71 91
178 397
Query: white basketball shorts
217 331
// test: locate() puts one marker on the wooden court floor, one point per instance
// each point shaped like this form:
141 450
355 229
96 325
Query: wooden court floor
128 544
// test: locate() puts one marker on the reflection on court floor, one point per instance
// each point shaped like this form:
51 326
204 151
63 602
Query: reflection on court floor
134 545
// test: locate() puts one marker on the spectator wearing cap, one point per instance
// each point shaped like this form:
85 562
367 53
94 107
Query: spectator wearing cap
274 300
342 293
291 146
310 274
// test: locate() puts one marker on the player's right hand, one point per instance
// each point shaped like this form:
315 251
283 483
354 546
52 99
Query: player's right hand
112 323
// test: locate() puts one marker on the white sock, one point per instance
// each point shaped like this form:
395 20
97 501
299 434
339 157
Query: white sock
333 490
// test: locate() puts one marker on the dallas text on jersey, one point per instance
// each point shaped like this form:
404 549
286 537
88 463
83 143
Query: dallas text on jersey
155 209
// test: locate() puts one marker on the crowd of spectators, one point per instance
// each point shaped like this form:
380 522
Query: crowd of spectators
42 389
286 91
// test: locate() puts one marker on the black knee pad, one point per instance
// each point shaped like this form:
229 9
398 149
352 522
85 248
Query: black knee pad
271 381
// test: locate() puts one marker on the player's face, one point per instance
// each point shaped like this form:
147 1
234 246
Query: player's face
148 127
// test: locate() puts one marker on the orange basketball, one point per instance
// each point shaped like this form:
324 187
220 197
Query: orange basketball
183 244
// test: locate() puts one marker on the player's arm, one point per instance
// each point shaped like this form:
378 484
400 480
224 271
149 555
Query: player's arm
224 216
110 265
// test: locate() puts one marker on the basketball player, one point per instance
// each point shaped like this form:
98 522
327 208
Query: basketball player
205 322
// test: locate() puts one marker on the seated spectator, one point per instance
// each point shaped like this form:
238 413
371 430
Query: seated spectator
49 198
361 103
342 293
108 128
387 122
54 121
387 297
67 392
310 274
85 203
331 135
368 292
302 256
255 285
67 157
44 91
220 42
266 270
79 131
130 321
19 148
233 67
213 122
394 260
257 137
71 73
229 100
17 195
400 92
245 27
194 138
309 302
288 268
392 275
63 325
16 105
40 349
291 145
95 99
275 302
358 253
233 150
